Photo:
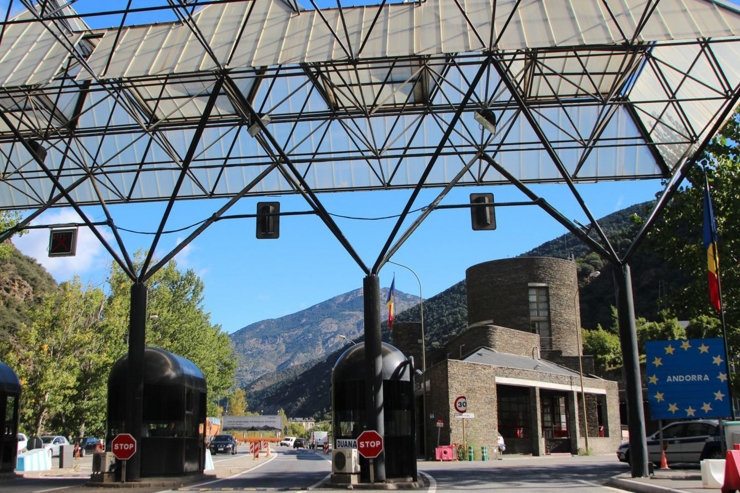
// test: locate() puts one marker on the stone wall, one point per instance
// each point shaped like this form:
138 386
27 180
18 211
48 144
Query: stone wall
498 294
406 336
501 339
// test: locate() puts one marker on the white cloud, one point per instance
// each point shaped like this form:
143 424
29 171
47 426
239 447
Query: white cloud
91 257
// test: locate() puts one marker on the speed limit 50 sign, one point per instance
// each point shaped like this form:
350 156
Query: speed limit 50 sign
461 404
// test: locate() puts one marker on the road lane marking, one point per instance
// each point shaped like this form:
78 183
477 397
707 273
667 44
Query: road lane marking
200 485
601 486
316 485
432 482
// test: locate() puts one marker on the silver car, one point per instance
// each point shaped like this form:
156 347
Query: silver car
683 441
53 444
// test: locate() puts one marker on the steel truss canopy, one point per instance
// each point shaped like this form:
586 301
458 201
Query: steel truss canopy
236 98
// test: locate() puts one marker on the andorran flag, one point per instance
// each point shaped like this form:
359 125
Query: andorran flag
389 302
710 245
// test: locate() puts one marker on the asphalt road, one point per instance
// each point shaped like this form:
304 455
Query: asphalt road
296 470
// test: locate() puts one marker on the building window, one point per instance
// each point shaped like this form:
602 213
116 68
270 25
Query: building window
539 314
513 411
554 416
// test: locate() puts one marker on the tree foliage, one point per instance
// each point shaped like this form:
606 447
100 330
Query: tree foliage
65 349
238 403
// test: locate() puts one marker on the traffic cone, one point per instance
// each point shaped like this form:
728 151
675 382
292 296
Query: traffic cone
663 460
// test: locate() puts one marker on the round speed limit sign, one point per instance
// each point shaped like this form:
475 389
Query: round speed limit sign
461 404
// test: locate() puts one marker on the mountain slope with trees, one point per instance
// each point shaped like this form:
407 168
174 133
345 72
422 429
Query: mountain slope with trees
306 336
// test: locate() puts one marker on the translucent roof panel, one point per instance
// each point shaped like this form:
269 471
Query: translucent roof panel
362 97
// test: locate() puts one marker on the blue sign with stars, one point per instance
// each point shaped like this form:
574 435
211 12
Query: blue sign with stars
687 379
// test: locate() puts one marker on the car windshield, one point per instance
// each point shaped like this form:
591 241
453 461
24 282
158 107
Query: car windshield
47 439
222 438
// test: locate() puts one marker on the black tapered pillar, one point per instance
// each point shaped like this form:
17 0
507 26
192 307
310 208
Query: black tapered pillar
632 379
135 401
374 367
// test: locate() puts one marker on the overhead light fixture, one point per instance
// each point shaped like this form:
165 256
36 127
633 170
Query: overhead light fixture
255 128
38 149
486 118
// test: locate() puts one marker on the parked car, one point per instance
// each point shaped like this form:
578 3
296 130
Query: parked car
87 445
287 441
299 443
53 444
22 443
684 442
224 443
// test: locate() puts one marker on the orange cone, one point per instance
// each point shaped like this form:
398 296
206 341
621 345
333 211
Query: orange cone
663 460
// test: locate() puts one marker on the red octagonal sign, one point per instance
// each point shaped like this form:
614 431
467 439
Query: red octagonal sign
123 446
369 444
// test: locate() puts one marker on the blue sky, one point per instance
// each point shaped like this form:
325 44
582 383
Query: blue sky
249 280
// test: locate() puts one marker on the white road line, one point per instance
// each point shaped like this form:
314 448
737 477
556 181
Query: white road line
198 485
601 486
55 489
316 485
432 482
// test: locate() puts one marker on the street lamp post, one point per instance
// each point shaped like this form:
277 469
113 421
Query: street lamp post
342 336
590 278
423 353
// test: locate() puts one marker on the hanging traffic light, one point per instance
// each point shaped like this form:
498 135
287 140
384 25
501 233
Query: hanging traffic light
63 242
482 212
268 220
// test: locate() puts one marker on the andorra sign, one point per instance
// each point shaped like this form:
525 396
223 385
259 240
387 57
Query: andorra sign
687 379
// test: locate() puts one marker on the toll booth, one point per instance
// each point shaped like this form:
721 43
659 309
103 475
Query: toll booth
10 396
349 414
174 417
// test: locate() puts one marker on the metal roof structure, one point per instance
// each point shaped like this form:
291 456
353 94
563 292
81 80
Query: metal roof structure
235 99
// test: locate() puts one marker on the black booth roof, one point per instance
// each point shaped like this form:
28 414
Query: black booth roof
161 368
9 383
351 365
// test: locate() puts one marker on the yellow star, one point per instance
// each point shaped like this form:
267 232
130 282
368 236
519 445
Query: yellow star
706 407
669 349
722 377
672 408
718 395
653 379
657 361
703 349
685 345
717 360
659 396
690 411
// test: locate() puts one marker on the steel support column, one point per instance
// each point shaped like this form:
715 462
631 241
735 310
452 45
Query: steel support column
374 367
633 382
135 389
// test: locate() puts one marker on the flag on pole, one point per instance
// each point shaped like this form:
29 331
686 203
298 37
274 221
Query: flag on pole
390 300
710 245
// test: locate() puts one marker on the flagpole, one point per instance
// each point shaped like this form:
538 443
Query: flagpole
715 239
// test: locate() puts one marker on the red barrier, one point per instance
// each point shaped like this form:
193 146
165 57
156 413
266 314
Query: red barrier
732 471
445 452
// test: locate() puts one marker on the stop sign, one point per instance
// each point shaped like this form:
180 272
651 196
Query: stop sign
369 444
123 446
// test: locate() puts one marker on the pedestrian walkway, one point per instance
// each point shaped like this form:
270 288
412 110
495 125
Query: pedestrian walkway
664 481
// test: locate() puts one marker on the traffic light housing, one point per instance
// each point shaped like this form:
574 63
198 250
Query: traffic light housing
482 211
63 242
268 220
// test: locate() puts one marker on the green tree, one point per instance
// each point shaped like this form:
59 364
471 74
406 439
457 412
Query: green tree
178 323
8 219
61 363
604 346
238 403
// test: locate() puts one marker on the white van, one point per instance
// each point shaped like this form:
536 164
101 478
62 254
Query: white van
318 439
287 441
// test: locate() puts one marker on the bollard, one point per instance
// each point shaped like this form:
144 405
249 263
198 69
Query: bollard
471 455
484 452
